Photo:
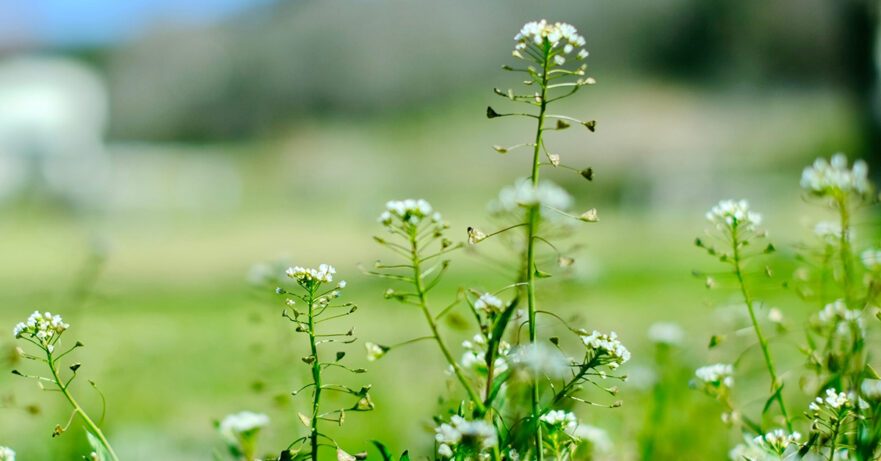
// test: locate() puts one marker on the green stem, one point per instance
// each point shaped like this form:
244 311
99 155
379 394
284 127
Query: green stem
532 230
432 325
845 251
834 440
316 376
763 342
78 409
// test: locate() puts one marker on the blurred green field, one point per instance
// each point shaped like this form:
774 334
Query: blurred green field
176 336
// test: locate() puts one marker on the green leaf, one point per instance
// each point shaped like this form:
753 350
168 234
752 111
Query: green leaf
541 275
772 398
715 340
383 450
497 385
98 447
405 456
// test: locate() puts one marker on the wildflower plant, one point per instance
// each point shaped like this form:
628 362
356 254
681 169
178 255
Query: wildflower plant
842 420
516 389
44 331
313 301
240 431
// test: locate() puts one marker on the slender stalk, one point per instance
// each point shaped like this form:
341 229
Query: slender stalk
432 325
532 230
763 342
845 251
78 409
316 376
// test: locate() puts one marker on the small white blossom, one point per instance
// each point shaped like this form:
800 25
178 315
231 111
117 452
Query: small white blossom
475 356
524 195
7 454
560 419
42 325
666 333
540 360
563 39
489 303
837 311
242 423
778 440
730 215
324 274
475 435
408 212
374 351
871 259
832 177
606 348
720 374
833 399
871 389
597 437
830 231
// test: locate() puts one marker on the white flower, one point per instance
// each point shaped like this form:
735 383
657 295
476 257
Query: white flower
7 454
476 435
561 419
562 38
242 423
871 259
836 399
837 310
778 440
408 212
524 195
541 360
489 303
830 231
825 178
871 389
606 348
720 374
475 356
730 215
374 351
324 273
666 333
42 325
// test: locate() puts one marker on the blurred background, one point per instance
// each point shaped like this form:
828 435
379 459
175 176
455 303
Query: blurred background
153 151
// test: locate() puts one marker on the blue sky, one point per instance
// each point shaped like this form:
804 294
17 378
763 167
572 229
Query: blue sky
77 22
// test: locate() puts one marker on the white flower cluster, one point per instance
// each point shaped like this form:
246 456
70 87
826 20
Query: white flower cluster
43 325
489 303
718 375
823 178
871 389
475 356
607 348
833 401
242 423
559 35
7 454
560 419
324 274
830 231
778 440
524 194
476 435
836 311
730 214
666 333
409 211
871 259
541 360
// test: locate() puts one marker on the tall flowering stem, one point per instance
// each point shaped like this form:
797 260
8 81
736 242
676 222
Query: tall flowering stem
321 306
44 330
548 46
738 225
419 226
